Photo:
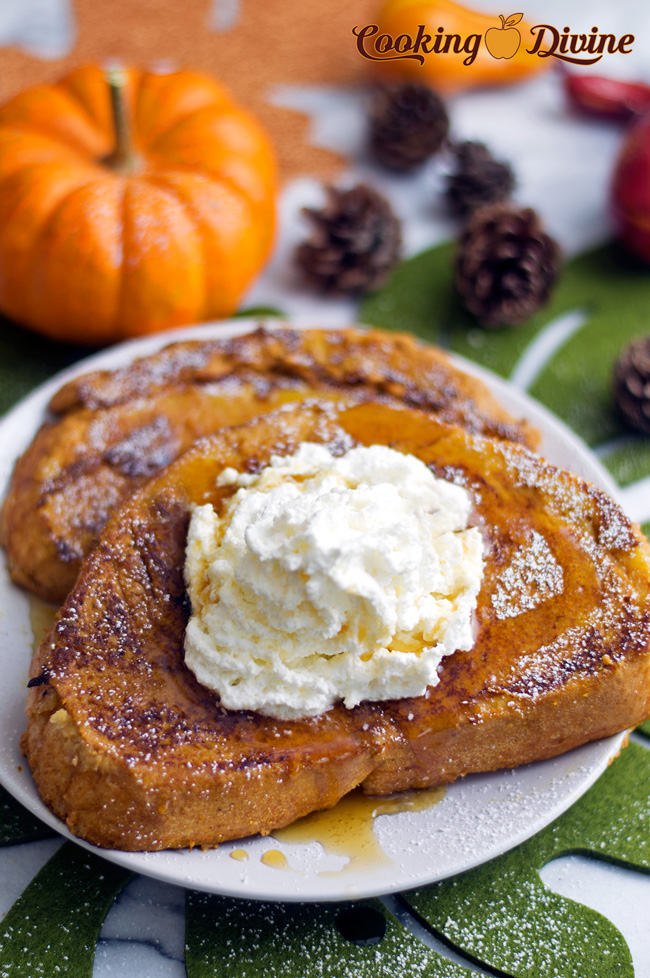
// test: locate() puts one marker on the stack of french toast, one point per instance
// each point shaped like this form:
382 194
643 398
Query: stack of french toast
132 752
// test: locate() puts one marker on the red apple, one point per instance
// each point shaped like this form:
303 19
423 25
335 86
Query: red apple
631 189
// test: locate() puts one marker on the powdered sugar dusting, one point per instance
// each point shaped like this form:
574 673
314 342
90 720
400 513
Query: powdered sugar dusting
533 577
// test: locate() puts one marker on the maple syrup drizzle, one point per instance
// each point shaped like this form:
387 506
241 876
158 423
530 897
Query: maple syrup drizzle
240 855
41 618
347 828
276 859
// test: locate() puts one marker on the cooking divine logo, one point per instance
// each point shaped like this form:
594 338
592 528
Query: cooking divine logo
503 40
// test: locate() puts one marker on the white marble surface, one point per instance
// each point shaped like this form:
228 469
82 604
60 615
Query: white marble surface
563 166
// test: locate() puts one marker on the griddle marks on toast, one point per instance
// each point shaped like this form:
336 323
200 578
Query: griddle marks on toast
80 508
576 500
144 450
160 540
614 528
609 638
398 368
106 388
141 729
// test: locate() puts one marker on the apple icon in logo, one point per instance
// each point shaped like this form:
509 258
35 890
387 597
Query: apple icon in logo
504 41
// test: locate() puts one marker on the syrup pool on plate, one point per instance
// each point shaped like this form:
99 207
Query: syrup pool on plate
347 829
275 859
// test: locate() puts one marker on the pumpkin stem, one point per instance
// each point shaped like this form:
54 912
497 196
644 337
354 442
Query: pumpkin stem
123 158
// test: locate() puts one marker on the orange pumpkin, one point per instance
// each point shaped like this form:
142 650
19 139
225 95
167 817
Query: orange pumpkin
97 244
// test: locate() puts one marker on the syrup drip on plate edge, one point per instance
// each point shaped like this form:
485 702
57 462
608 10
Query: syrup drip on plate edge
347 829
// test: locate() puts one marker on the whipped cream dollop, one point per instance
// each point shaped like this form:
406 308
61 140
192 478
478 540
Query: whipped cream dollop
330 578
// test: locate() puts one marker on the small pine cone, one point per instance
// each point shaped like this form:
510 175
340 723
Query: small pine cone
632 384
506 265
355 243
478 179
408 124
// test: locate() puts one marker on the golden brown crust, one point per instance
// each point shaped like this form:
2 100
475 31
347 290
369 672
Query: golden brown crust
134 753
111 430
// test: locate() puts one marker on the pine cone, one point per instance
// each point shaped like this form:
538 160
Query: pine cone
632 384
478 179
506 265
408 124
355 244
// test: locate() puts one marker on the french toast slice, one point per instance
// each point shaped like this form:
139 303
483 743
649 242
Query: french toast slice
129 749
112 430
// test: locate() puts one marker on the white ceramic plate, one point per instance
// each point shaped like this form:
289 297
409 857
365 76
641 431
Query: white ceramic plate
479 817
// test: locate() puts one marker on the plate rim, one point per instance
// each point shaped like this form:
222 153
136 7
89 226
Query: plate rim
123 353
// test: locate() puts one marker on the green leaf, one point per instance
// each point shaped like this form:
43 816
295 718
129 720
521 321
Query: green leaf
502 915
236 938
16 823
576 383
509 920
27 360
53 927
418 297
628 461
610 288
259 311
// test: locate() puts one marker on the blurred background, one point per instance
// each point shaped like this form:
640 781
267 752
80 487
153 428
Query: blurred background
279 56
297 67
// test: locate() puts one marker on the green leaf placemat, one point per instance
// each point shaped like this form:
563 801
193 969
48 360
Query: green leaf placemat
611 292
16 823
27 360
240 939
502 915
52 928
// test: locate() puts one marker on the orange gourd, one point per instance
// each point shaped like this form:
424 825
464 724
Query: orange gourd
100 242
446 71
